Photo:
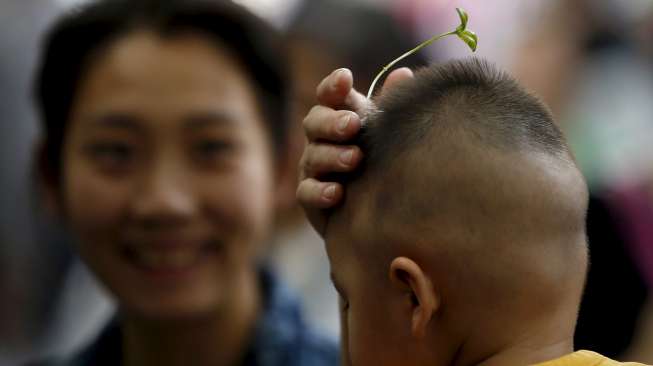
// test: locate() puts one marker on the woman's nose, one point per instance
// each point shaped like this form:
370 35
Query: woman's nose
164 195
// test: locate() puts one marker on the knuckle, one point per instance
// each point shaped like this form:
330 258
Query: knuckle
323 85
340 121
312 167
309 164
300 167
300 193
308 192
307 121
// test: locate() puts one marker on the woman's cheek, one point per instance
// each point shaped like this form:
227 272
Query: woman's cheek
92 202
242 200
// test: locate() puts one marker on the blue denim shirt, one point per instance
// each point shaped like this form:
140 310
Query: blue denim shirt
281 337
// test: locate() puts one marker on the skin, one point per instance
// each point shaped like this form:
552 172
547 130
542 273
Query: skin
168 187
374 331
335 119
440 294
308 63
412 325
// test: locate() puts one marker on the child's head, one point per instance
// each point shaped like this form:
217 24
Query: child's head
162 124
465 231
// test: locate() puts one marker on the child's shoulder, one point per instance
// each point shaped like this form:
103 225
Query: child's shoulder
586 358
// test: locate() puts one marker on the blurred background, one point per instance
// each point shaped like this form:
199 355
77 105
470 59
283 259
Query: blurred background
591 61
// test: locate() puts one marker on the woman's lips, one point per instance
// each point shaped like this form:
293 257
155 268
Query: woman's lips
168 257
166 260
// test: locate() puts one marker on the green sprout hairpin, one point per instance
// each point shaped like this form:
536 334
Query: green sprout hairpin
466 35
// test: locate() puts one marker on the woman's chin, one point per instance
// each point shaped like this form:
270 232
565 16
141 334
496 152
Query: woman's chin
172 309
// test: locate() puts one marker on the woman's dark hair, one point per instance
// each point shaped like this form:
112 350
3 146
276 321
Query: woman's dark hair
73 41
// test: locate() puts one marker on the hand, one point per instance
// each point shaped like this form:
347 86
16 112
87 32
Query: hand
328 127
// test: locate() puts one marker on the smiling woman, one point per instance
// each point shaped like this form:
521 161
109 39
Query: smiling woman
164 126
165 188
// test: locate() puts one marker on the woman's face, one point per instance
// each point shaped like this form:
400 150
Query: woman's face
167 174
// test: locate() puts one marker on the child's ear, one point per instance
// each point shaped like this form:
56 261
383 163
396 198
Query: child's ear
408 276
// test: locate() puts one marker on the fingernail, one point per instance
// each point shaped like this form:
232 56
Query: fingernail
343 123
346 156
330 192
337 75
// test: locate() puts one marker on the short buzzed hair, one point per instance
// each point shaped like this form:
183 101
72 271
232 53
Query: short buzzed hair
469 98
466 170
432 143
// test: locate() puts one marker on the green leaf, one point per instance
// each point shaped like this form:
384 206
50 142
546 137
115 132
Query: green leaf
462 14
469 38
461 31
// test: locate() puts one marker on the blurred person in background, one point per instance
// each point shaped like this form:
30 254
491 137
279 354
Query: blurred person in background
588 60
319 40
164 143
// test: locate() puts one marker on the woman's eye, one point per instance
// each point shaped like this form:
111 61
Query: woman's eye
212 151
212 148
111 154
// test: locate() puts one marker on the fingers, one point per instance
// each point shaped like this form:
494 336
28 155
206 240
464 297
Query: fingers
316 194
324 123
357 102
396 77
333 89
321 159
336 91
335 121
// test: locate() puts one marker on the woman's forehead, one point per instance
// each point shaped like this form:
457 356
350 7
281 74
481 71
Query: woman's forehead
180 61
148 77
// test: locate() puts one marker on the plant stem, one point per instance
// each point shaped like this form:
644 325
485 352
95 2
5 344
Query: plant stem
419 47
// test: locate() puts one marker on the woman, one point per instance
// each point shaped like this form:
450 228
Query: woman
164 133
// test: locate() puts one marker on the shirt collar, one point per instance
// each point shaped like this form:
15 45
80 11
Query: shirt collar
280 326
279 329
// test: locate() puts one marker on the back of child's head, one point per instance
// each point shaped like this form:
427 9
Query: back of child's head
467 175
462 101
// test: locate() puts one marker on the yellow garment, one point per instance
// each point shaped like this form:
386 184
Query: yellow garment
586 358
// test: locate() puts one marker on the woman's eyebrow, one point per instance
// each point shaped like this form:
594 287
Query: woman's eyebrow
116 120
205 119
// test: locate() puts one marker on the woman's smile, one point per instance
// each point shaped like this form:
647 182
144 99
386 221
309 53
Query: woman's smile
170 258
